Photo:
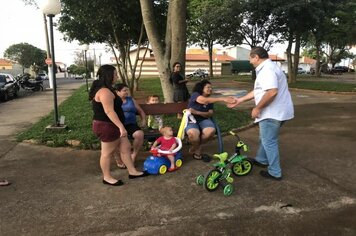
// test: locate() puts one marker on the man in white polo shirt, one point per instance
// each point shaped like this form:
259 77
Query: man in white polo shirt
273 106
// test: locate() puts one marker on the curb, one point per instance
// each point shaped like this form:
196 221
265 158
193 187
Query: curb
322 91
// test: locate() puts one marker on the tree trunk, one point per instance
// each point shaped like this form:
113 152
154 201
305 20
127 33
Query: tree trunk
317 65
165 52
136 83
179 32
210 51
289 58
253 74
296 58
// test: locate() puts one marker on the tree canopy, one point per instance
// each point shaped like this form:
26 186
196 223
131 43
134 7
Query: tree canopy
213 22
26 55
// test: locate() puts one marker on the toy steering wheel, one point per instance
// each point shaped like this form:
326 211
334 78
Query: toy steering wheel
157 150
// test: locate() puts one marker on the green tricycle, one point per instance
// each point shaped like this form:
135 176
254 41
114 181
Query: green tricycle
238 164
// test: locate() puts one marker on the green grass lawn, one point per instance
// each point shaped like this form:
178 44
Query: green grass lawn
78 117
310 82
324 86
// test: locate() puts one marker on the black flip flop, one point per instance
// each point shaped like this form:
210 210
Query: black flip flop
206 158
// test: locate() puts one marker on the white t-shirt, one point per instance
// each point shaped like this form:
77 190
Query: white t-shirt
270 76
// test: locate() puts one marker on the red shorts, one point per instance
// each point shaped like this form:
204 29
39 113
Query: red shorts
106 131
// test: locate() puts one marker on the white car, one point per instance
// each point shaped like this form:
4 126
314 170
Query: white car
199 73
301 71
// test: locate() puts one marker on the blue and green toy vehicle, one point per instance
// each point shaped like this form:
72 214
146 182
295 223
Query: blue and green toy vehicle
237 164
155 164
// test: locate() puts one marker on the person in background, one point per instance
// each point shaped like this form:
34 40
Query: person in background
273 106
108 125
131 108
202 108
181 93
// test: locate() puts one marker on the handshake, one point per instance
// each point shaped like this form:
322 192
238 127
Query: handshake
231 101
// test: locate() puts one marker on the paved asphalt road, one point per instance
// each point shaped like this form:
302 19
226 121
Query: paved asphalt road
58 191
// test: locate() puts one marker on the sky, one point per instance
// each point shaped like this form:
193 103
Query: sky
24 24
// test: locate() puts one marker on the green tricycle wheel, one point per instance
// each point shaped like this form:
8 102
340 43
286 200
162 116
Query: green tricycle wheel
242 168
228 190
200 180
211 181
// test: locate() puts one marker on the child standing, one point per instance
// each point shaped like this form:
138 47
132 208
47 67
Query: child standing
168 143
154 122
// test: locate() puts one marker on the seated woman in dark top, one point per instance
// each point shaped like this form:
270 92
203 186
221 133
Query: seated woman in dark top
201 106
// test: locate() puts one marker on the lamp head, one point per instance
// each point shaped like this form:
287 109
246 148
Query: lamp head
51 7
85 47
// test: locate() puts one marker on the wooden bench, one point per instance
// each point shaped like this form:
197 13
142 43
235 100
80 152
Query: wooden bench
161 109
171 108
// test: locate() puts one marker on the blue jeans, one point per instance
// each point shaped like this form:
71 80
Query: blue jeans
268 151
206 123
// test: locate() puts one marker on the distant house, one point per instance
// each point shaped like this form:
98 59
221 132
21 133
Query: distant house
5 64
238 52
195 59
61 70
10 67
306 63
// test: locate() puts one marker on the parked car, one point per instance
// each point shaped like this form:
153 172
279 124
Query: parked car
43 76
79 76
339 69
301 71
199 73
9 87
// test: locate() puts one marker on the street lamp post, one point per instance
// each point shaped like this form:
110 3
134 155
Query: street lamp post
52 8
100 59
86 48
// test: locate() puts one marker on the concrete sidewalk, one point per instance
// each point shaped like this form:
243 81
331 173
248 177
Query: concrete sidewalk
20 113
58 191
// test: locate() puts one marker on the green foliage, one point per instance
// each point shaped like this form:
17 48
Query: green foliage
324 86
211 22
76 70
259 26
111 23
26 55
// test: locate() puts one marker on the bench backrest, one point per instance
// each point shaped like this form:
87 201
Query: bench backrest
164 108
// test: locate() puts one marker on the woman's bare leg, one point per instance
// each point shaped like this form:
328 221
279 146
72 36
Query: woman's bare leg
125 153
137 143
107 151
194 140
207 134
